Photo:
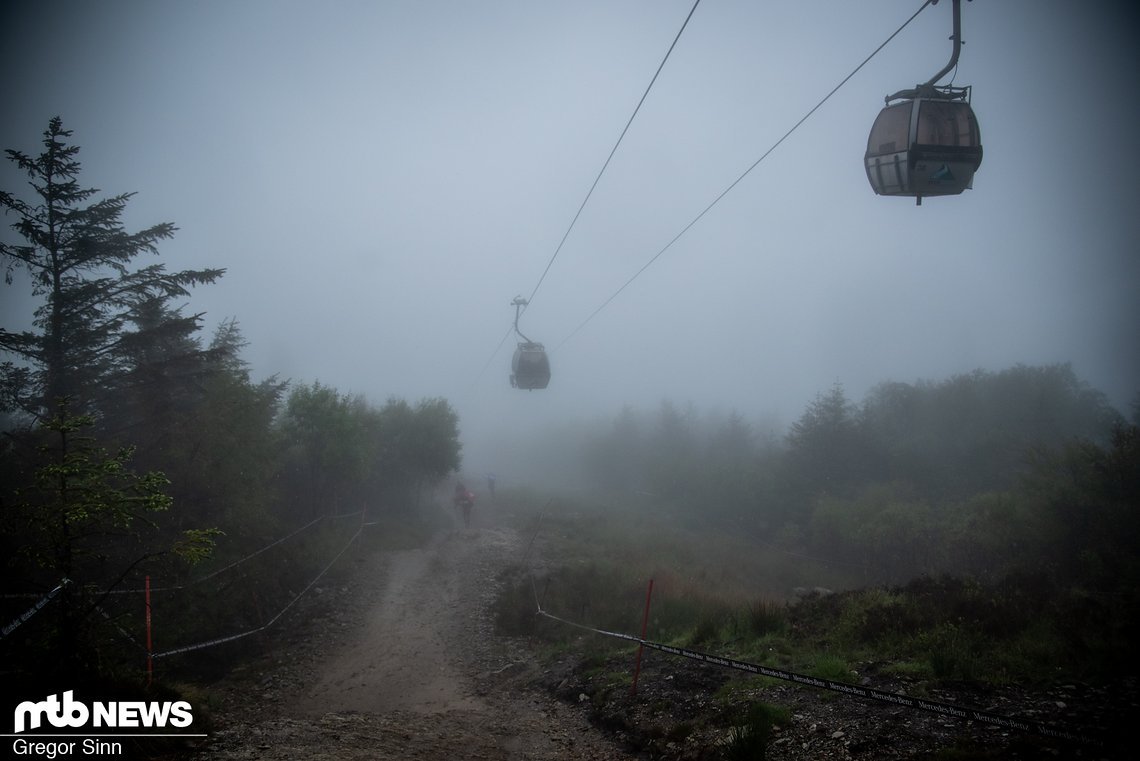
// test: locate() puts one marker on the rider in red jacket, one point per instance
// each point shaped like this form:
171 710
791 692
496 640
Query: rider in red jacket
464 500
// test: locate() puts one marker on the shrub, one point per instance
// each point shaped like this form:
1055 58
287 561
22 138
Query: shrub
952 653
831 667
747 740
761 618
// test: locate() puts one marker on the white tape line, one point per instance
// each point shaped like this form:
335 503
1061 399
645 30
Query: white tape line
270 622
34 609
934 706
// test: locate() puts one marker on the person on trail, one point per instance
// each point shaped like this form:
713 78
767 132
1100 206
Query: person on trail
491 484
464 500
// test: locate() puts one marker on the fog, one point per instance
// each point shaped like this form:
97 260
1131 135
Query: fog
381 179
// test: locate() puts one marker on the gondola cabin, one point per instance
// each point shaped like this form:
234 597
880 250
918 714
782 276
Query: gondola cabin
926 145
530 367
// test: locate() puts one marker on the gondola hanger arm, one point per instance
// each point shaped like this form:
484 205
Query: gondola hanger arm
519 302
956 38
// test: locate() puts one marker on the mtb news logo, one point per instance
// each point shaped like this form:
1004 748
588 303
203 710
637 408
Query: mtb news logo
70 713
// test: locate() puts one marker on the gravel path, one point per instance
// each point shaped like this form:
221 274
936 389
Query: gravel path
413 673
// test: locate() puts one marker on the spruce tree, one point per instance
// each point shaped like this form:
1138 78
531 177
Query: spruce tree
97 308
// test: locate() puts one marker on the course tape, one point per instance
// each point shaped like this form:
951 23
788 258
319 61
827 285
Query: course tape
922 704
207 577
238 562
270 622
34 609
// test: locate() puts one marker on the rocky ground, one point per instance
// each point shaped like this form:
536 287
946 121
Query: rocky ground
401 662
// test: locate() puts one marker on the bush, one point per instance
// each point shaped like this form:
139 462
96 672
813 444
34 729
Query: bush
831 667
761 618
747 740
953 653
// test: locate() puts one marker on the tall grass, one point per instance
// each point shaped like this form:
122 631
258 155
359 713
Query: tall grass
725 593
747 739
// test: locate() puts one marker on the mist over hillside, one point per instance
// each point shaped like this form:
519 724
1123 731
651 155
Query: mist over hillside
1024 408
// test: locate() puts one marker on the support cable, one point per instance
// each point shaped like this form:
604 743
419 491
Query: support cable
590 192
737 181
609 158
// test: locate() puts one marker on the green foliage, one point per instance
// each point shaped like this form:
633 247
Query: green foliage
917 478
80 495
762 618
875 619
340 451
81 517
830 666
992 535
953 652
707 629
826 449
416 446
434 448
197 545
1019 629
748 738
1090 493
214 439
326 447
972 433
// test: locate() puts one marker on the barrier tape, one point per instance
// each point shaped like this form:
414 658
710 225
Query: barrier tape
238 562
255 553
922 704
220 570
34 609
266 625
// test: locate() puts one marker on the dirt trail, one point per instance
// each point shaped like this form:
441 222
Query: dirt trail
401 660
419 675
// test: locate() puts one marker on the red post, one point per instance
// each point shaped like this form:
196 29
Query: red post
640 648
149 648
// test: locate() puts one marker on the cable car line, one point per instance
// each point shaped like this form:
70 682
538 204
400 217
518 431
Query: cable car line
491 358
746 172
609 158
524 303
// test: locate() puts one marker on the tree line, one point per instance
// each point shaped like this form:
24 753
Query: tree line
131 440
988 473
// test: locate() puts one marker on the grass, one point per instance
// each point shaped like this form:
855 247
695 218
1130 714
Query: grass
952 652
762 618
833 667
747 738
723 594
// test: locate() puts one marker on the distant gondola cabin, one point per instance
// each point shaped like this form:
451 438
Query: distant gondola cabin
530 367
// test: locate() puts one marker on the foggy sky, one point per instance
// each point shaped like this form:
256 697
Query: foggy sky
380 179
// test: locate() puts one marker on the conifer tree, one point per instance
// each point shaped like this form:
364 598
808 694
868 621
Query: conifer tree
95 305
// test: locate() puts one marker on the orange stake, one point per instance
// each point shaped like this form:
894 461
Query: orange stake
149 648
640 648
